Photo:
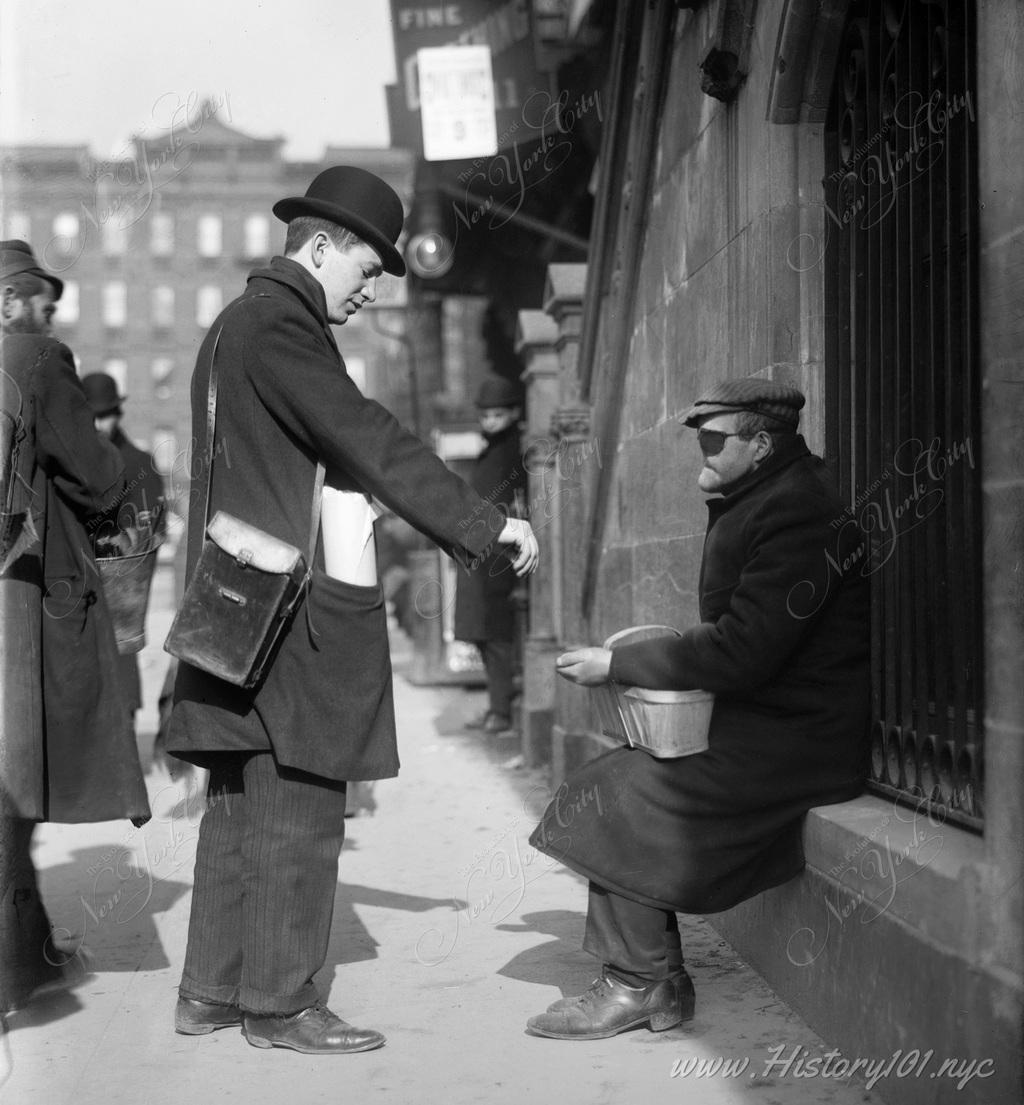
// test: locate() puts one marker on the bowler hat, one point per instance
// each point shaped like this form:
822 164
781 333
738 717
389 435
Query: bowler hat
779 402
357 200
497 391
16 257
101 393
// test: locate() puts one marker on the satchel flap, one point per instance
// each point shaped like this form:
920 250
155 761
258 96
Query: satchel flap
251 546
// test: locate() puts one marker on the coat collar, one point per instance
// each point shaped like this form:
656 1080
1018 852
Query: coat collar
291 275
787 452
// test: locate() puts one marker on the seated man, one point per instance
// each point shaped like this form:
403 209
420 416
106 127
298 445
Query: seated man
783 645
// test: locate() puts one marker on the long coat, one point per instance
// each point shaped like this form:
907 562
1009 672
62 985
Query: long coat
483 609
284 400
68 753
783 644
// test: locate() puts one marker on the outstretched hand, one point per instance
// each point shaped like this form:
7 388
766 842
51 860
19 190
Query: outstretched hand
589 667
521 545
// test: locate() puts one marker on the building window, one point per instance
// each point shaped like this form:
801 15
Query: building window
208 304
19 225
903 395
67 305
257 236
118 368
162 371
65 232
209 236
115 238
115 304
162 307
161 234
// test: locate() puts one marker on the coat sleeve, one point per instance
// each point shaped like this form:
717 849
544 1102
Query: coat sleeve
789 577
301 383
86 469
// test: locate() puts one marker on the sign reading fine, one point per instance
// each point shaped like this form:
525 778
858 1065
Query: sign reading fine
457 102
505 27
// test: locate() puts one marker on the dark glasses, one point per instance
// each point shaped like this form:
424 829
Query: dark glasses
712 442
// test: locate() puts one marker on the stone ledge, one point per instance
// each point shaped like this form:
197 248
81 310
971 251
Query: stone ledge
879 946
904 862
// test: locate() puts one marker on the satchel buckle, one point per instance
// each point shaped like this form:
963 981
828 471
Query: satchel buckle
243 558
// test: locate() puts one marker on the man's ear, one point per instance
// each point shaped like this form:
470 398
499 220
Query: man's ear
8 300
317 244
765 446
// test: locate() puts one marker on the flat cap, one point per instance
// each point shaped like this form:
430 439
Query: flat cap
779 402
16 257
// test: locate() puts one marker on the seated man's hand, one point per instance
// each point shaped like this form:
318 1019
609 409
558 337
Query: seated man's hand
522 547
587 666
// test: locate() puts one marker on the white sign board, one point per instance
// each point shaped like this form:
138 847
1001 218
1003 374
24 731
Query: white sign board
457 102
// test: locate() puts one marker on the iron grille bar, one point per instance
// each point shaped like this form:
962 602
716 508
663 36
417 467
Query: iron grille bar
901 337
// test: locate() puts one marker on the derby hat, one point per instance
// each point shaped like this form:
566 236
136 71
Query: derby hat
101 393
779 402
16 257
497 391
357 200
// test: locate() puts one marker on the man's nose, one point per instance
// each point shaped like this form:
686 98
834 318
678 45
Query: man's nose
370 290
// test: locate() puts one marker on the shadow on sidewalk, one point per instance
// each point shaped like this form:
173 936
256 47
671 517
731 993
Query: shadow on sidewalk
351 941
104 900
560 962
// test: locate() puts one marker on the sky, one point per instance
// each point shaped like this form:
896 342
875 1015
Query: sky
93 72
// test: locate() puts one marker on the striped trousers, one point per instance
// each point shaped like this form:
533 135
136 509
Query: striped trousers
265 876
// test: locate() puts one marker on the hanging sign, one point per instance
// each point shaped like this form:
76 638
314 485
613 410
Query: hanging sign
457 102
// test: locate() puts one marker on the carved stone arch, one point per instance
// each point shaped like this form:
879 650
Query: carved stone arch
810 35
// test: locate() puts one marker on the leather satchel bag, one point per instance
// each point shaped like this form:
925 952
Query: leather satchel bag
246 586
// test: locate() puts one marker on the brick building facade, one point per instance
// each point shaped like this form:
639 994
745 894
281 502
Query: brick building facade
152 244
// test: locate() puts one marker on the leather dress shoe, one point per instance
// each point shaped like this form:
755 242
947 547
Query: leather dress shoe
313 1031
609 1007
679 978
197 1018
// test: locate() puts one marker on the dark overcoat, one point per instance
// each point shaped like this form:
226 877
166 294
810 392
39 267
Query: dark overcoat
483 610
284 401
783 644
143 495
63 713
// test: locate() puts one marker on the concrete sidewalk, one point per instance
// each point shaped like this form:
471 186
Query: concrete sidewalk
449 932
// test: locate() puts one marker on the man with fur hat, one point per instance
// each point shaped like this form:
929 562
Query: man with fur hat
783 645
280 755
66 751
483 596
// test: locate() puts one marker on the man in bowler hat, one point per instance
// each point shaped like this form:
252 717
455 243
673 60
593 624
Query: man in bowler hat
66 751
280 755
783 645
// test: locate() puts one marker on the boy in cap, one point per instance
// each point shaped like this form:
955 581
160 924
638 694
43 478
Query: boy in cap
280 754
783 645
483 597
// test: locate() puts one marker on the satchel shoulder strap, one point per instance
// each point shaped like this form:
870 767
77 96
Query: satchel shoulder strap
211 427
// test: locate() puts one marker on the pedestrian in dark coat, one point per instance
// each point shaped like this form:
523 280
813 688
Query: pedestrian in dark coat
484 614
280 755
66 753
783 645
136 522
